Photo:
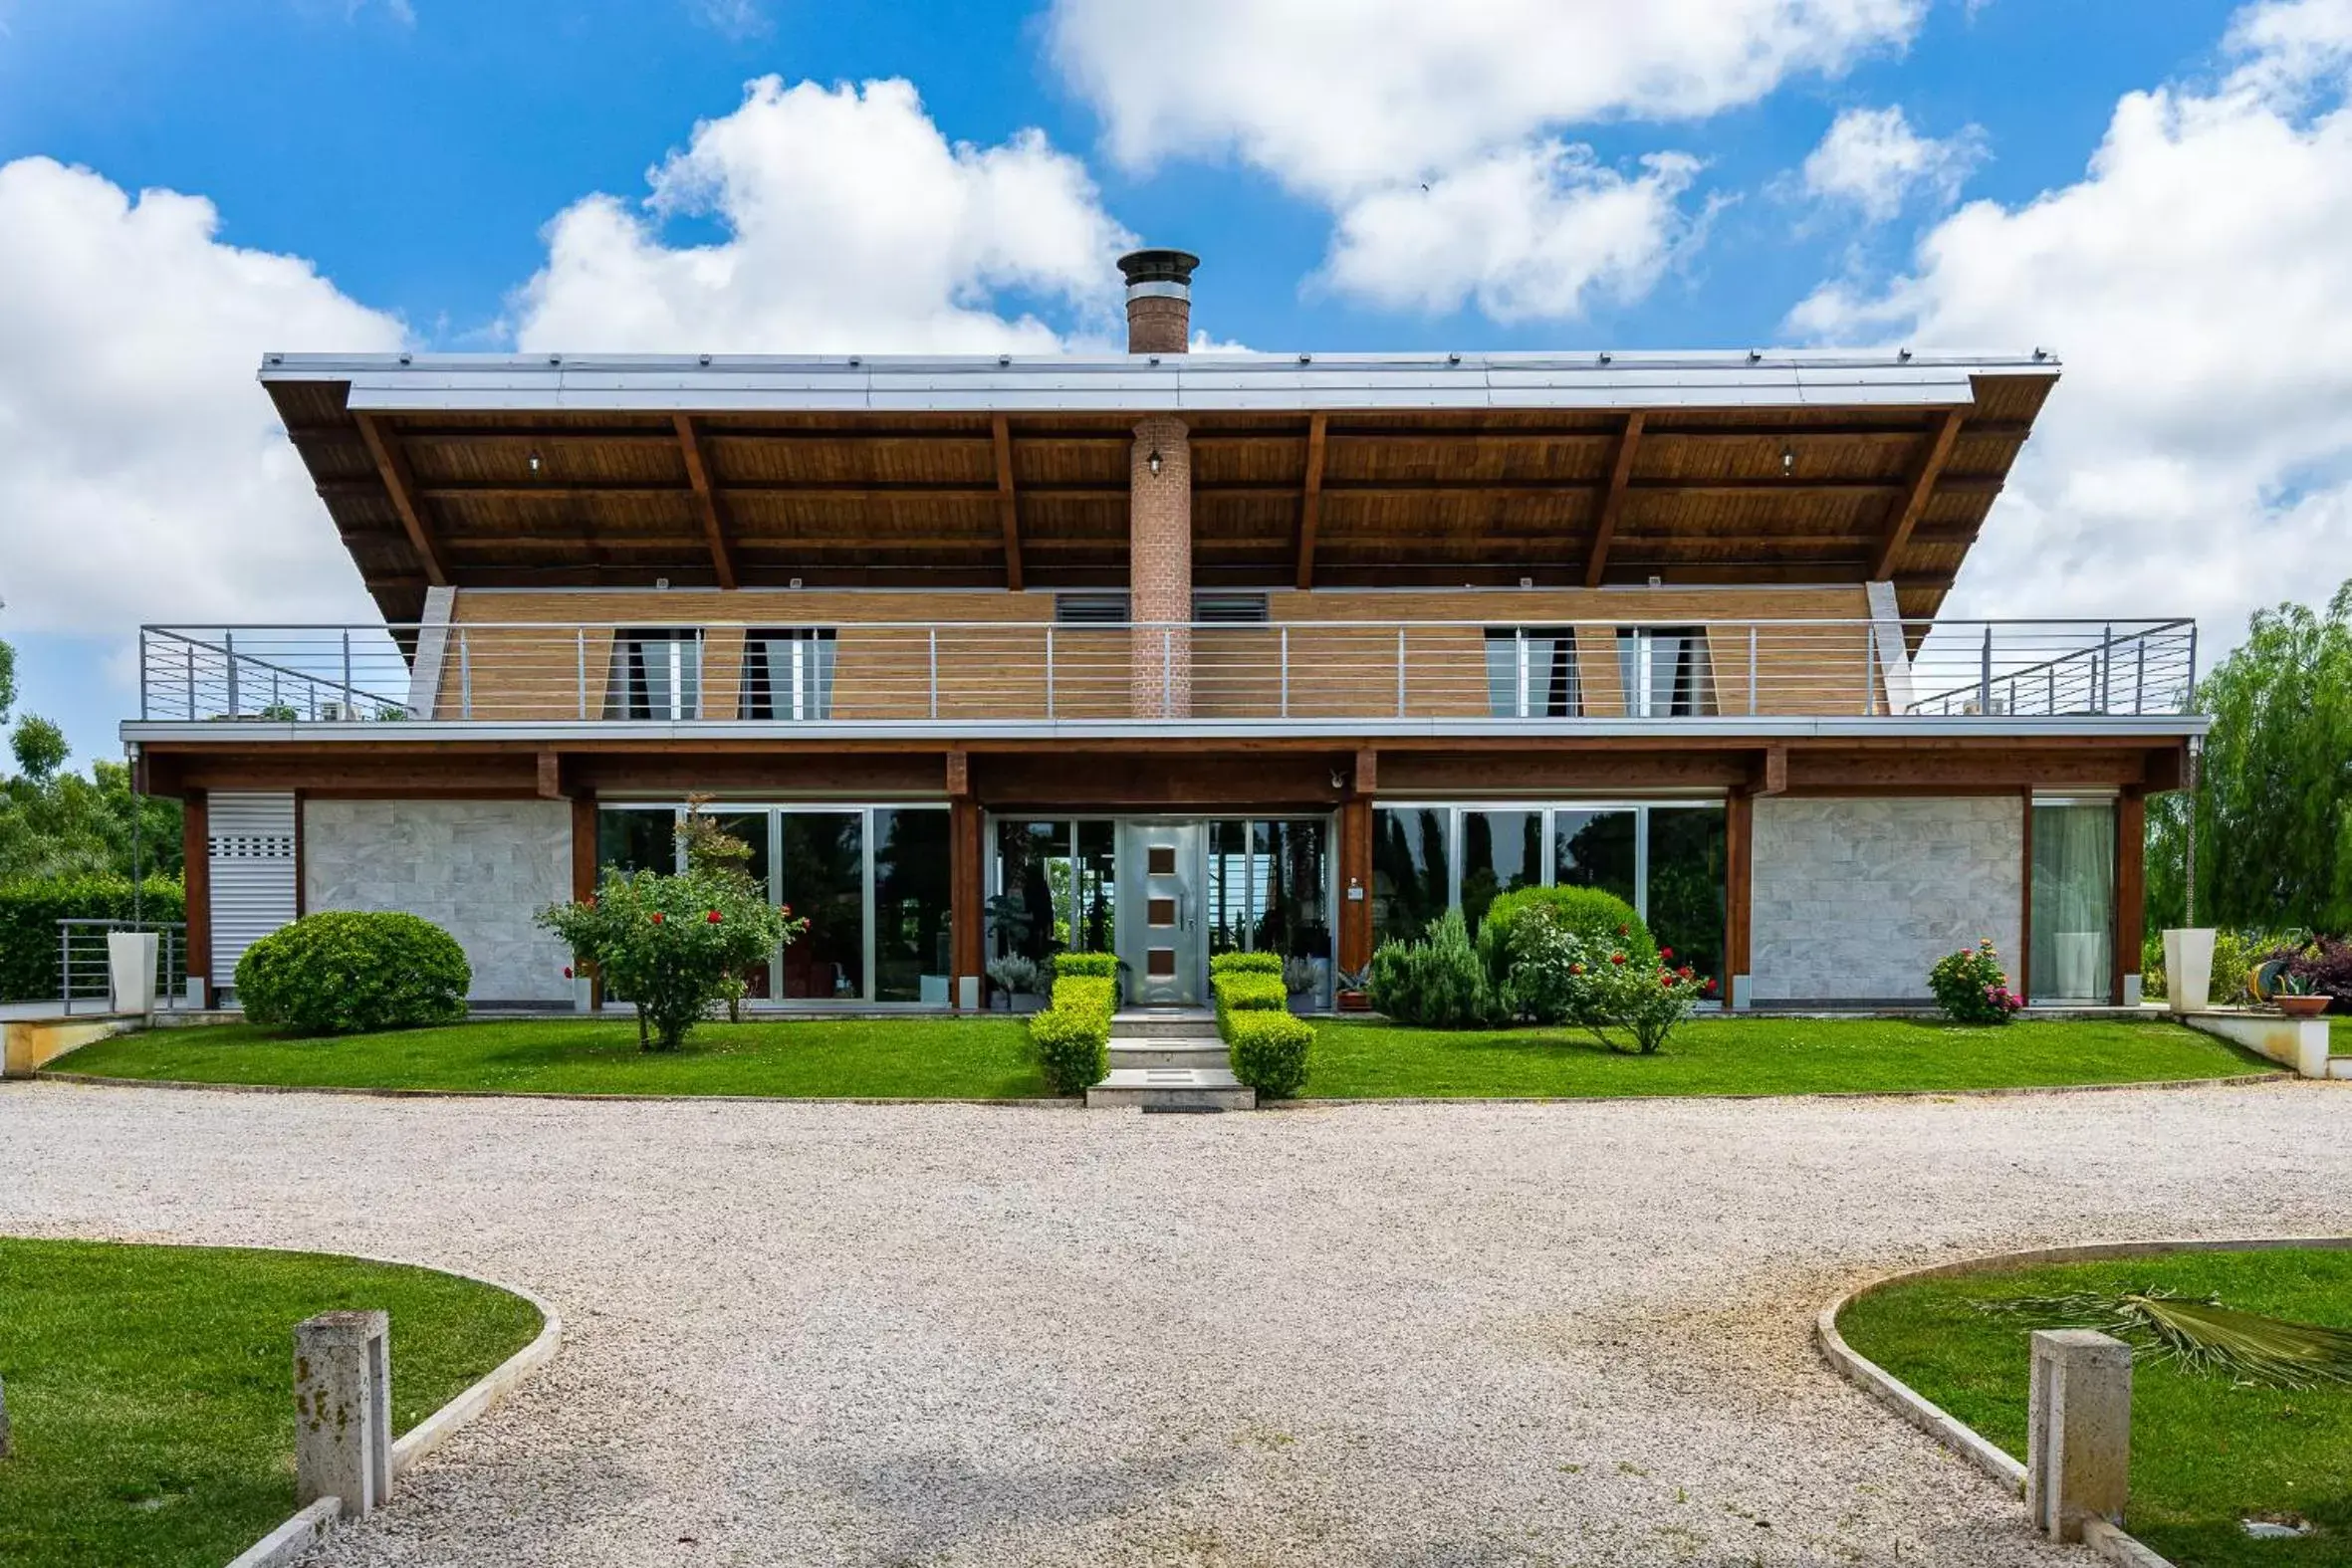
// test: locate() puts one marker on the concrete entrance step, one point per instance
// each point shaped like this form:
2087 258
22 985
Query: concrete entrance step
1173 1089
1167 1051
1163 1023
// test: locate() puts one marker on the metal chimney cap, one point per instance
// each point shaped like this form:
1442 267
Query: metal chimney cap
1159 266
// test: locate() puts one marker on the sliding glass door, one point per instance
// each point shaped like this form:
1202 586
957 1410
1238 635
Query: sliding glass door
2072 951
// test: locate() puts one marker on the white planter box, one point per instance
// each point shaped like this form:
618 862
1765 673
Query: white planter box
130 970
2187 968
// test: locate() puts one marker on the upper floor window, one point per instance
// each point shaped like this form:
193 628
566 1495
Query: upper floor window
788 673
1532 673
657 674
1666 672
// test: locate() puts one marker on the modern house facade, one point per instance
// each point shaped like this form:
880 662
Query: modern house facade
1169 654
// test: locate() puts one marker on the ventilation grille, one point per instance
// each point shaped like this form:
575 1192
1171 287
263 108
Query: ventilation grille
1236 608
1090 609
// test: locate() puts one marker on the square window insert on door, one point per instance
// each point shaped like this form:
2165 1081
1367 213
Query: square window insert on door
1162 860
1161 912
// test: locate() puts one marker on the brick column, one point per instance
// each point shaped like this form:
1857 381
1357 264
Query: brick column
1159 553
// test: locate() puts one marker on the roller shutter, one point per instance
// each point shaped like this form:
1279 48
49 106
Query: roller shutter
253 872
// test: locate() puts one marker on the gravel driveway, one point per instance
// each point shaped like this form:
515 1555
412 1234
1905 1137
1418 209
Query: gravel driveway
1372 1334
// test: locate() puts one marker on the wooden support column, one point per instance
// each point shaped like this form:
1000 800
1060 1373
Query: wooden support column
195 847
1008 503
1355 865
583 844
550 773
2131 885
1311 500
1739 887
966 898
1612 501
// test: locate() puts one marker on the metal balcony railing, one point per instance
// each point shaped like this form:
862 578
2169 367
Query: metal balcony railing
965 673
84 965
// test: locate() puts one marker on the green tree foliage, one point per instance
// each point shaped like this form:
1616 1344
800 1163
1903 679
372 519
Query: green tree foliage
2274 802
350 972
56 823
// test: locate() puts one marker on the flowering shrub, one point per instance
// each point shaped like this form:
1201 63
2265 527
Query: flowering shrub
1971 987
673 945
1560 974
1597 916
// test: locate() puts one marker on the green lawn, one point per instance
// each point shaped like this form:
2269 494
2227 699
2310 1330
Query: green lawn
151 1388
1762 1055
2205 1454
912 1058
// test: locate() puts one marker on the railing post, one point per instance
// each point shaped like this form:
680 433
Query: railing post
65 965
2189 688
1048 671
2140 676
191 645
350 706
143 672
1285 708
228 643
1167 672
1871 673
1751 668
934 672
1400 672
465 674
579 666
1985 676
2107 667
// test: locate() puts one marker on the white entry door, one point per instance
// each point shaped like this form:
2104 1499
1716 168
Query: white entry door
1161 937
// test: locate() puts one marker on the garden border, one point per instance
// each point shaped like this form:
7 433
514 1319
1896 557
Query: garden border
1907 1401
306 1526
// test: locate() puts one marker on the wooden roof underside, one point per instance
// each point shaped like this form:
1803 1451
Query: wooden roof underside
1040 500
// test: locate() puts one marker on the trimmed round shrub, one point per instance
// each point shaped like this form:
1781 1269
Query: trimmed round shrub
1596 918
1246 964
1269 1051
350 972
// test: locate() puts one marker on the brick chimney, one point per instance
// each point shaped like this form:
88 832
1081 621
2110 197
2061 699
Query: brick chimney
1159 299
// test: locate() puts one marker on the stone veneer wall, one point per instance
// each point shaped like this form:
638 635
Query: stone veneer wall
1854 900
479 869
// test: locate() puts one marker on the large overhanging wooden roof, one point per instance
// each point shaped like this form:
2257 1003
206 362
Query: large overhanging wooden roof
1337 471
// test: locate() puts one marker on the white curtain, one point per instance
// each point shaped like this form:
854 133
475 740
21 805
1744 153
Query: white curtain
2073 902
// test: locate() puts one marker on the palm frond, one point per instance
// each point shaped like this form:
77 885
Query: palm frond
2201 1336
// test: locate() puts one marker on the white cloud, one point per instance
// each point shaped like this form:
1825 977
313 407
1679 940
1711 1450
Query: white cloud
1360 105
1536 231
142 476
851 223
1871 160
2196 456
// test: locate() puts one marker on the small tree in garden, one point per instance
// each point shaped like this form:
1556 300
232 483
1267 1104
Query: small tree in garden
671 944
711 849
1971 987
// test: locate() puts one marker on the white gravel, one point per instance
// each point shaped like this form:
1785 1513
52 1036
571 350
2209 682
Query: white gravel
1375 1334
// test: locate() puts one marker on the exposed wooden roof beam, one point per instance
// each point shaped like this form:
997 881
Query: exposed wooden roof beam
1612 502
706 502
1914 499
1311 500
1008 505
392 466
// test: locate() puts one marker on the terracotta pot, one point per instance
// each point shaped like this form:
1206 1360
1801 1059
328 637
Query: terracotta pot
2302 1007
1355 1001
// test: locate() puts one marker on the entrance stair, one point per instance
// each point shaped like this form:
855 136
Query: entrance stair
1170 1060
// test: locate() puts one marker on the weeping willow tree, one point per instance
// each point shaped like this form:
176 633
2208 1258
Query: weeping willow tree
2272 802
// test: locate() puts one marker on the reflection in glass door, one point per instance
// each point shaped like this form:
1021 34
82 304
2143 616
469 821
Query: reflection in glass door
823 860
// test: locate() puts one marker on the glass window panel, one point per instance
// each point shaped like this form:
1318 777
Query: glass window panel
1501 851
824 881
2073 902
655 674
788 673
633 840
1689 851
1665 671
1295 917
1532 672
1233 879
1098 890
1030 914
1594 850
913 924
1411 881
751 828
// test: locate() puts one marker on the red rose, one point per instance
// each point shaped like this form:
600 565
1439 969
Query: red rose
566 972
1616 957
1575 968
1666 953
1711 984
786 909
657 917
1684 972
712 917
1624 931
1666 983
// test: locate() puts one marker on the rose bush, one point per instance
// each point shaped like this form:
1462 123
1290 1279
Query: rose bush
1971 987
673 945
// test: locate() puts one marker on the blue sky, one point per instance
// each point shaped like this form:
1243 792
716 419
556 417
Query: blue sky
416 155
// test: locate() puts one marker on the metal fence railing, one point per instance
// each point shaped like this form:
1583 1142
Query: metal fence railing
980 673
85 963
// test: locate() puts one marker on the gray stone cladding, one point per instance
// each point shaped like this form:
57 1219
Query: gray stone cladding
479 869
1855 900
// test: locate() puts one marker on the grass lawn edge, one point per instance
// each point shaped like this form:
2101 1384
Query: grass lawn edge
1903 1399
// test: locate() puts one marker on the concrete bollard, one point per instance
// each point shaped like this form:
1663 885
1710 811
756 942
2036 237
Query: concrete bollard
2078 1444
342 1411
